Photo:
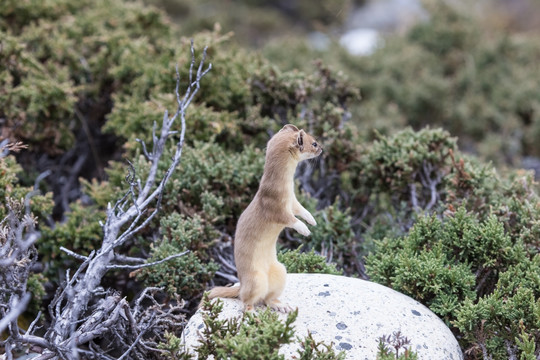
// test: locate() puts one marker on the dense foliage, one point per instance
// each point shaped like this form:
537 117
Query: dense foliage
394 200
225 338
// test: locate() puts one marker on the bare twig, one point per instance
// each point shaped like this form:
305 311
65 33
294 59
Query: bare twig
136 342
430 183
17 307
6 147
227 264
145 152
230 278
31 327
485 353
128 259
17 256
414 197
140 266
55 304
510 350
74 254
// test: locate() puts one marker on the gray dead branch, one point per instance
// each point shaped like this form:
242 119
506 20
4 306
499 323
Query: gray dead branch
86 320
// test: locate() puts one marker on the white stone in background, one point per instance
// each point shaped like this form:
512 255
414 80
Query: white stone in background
352 314
364 24
360 41
387 15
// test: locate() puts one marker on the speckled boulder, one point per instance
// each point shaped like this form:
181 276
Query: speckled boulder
353 314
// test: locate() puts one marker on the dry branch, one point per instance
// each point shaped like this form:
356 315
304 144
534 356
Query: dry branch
17 256
82 312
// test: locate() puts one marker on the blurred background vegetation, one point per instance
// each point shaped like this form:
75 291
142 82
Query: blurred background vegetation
427 134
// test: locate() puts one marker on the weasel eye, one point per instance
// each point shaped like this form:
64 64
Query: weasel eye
314 144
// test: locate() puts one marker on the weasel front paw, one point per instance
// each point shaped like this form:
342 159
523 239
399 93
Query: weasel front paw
304 214
309 218
301 228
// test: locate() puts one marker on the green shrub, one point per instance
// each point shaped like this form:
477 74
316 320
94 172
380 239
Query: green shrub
418 265
390 347
253 336
333 236
477 83
187 275
406 171
255 21
390 182
453 71
81 233
306 262
66 64
226 93
312 349
472 273
11 190
36 287
509 317
459 260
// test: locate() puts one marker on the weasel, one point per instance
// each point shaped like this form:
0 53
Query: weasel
274 207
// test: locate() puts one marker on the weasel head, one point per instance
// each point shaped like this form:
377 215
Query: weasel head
296 143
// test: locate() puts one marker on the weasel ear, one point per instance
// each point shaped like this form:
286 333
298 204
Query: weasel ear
289 127
300 140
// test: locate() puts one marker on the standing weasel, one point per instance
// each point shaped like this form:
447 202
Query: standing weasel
274 207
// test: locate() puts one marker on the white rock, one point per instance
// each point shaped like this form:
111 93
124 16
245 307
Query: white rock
352 314
360 41
387 15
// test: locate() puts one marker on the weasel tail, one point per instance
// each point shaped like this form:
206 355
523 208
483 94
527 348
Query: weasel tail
224 292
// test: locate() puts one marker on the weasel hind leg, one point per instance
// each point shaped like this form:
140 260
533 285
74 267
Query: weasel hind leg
276 283
253 290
